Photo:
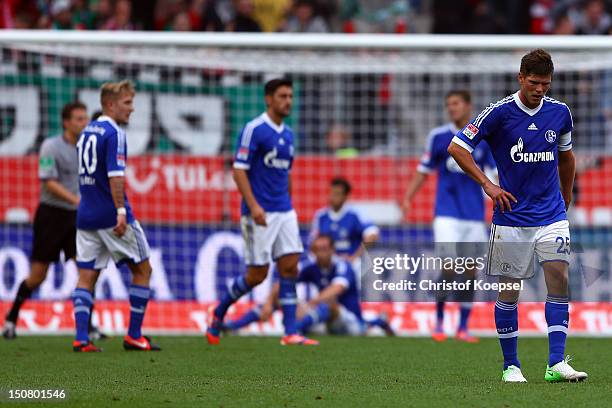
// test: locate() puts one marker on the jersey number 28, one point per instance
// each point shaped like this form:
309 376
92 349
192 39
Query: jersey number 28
88 156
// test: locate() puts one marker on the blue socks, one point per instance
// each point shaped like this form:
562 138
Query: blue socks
139 297
235 292
464 315
506 321
319 314
288 301
82 301
249 317
557 317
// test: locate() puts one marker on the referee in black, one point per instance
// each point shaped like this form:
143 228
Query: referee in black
55 219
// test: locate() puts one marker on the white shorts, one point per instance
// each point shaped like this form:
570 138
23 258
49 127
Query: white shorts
449 231
96 247
513 251
347 323
281 236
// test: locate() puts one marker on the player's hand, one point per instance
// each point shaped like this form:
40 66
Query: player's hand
500 197
121 226
259 215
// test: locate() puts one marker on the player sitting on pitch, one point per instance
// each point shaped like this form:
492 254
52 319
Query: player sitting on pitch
337 303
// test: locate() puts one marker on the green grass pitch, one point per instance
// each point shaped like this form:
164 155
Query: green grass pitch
342 372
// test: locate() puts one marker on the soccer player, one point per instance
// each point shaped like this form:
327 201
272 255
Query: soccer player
530 136
269 223
347 227
55 219
106 227
459 209
337 303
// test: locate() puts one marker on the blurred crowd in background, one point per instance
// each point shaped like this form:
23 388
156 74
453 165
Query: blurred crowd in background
315 16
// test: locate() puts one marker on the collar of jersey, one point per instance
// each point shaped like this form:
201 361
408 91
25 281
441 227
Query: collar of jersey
270 122
105 118
336 215
524 108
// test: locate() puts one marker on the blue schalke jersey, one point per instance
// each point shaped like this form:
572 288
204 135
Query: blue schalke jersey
340 272
102 153
525 143
457 194
347 228
266 151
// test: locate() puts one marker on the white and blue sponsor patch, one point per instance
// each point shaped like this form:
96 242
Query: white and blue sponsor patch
243 153
470 131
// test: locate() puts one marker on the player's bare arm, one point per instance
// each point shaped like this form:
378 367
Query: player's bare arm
464 159
117 186
244 186
329 294
413 187
56 188
567 173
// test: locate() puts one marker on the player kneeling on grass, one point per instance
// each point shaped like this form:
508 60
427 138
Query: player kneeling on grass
337 304
106 227
530 136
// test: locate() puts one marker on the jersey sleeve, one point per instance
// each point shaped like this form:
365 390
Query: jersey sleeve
247 146
427 163
366 227
344 275
47 162
116 150
565 140
479 128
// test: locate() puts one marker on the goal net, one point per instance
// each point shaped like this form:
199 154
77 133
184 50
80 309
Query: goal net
363 108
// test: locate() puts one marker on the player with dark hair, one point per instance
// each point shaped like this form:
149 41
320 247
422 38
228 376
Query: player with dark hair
530 135
347 226
106 226
55 219
269 223
459 208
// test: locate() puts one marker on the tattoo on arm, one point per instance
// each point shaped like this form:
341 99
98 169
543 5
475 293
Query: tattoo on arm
117 185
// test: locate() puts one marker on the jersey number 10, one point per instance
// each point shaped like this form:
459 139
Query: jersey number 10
88 156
